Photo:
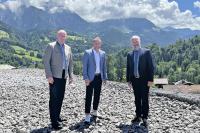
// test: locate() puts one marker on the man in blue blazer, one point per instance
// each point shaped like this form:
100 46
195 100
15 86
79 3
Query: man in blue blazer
94 73
140 72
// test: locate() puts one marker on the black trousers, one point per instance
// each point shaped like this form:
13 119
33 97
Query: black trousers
57 91
95 86
141 93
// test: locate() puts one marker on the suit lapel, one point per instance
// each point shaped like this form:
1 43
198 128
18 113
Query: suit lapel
93 57
66 51
132 59
101 56
140 57
58 49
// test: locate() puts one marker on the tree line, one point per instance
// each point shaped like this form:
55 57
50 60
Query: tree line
176 62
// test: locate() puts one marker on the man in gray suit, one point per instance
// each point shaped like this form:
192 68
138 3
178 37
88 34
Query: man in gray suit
94 72
58 66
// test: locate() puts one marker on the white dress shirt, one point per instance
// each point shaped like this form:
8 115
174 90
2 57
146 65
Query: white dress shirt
97 61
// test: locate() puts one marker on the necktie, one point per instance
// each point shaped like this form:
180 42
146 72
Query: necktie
136 62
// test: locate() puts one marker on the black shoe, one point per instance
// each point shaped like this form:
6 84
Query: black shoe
60 120
86 123
136 120
56 127
144 123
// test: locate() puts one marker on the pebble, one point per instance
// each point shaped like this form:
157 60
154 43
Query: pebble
25 97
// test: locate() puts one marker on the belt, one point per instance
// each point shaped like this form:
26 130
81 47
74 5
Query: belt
97 74
137 77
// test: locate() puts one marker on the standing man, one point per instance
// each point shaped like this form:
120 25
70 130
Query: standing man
94 72
140 72
58 66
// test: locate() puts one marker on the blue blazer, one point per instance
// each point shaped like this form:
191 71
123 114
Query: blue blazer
89 65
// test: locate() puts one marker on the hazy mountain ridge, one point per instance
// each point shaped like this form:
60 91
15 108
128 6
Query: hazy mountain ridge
114 31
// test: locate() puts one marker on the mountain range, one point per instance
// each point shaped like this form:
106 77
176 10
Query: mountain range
113 31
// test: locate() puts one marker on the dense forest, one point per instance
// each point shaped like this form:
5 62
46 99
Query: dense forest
179 61
175 62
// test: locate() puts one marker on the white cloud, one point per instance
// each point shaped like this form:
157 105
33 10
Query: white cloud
2 6
161 12
12 5
197 4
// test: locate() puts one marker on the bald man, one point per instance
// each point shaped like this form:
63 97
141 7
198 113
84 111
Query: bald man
58 67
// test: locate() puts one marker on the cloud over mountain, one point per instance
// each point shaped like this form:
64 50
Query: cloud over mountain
163 13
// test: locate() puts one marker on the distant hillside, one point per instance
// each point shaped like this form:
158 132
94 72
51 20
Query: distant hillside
14 52
177 61
25 49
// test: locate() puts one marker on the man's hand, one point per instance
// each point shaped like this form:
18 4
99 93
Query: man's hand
150 84
70 81
50 80
129 85
104 82
87 82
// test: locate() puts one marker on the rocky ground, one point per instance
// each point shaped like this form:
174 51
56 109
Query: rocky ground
24 98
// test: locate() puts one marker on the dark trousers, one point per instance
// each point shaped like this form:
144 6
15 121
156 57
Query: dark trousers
95 86
141 93
57 91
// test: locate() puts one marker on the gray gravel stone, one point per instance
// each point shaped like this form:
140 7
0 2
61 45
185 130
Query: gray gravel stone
24 107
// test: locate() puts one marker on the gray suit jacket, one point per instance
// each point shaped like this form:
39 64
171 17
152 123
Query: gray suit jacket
89 65
53 62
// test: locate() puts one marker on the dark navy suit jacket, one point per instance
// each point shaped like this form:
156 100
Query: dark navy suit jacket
145 67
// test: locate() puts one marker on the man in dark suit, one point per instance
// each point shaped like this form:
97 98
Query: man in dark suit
58 67
140 72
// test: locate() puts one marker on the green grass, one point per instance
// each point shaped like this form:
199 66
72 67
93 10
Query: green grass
3 34
75 38
29 57
19 50
179 69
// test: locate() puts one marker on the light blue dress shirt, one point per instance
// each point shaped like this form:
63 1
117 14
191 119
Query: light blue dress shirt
62 46
97 61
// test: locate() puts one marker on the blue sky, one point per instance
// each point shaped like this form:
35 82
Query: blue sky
188 5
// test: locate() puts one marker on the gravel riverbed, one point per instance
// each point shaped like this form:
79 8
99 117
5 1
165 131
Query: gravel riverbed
24 97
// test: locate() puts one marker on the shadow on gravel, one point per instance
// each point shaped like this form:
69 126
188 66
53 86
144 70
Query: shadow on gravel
81 126
132 128
41 130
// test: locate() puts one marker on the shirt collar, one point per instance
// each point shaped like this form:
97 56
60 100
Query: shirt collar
95 51
137 49
60 44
